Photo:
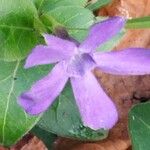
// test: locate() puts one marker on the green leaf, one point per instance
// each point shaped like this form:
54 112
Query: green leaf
139 126
17 34
47 137
47 5
78 34
109 45
71 17
137 23
14 80
63 119
97 4
81 33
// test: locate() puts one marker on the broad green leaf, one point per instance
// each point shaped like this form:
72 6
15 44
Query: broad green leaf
78 34
47 5
17 34
109 45
94 5
63 119
47 137
14 80
135 23
139 126
71 17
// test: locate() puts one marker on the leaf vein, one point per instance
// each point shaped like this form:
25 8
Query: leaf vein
8 101
5 79
16 27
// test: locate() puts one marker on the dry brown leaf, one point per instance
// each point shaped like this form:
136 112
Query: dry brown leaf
2 148
29 142
34 144
67 144
127 8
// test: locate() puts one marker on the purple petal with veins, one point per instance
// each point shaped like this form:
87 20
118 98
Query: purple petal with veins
132 61
59 44
96 108
101 32
43 93
42 54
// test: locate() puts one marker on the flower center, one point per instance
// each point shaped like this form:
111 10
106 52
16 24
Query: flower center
79 64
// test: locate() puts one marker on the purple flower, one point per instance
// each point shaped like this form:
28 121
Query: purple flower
76 63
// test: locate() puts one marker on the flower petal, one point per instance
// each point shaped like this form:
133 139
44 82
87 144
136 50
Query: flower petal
101 32
43 93
96 108
45 55
132 61
58 43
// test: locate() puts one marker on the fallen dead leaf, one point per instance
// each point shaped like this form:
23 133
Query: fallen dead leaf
127 8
